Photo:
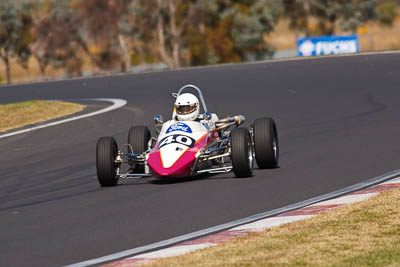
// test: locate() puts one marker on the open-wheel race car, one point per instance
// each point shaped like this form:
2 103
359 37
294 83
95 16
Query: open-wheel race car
190 143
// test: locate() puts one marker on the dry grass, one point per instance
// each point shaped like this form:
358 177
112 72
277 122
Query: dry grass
24 113
20 74
362 234
383 37
282 38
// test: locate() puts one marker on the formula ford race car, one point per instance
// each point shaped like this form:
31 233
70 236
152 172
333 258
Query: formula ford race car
187 148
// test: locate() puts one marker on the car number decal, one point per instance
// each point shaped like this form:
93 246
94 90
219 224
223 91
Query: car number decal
177 139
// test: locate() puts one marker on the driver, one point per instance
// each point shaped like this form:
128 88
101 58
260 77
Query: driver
186 107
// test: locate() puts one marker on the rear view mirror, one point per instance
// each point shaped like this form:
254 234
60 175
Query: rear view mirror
207 116
174 95
158 119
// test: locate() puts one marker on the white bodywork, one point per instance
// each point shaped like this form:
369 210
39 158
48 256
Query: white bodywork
176 137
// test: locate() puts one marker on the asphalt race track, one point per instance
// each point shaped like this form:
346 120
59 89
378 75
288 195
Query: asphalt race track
338 119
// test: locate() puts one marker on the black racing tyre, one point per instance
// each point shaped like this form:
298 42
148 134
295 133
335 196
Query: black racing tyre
138 140
266 145
241 152
106 153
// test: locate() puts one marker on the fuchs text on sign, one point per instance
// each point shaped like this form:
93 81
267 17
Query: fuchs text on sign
328 45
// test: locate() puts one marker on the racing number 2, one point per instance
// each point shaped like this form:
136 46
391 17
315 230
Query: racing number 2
177 139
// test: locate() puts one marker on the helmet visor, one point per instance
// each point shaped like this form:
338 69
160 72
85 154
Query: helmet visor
185 109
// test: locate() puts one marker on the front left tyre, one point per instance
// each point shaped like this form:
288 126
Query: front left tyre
241 152
106 154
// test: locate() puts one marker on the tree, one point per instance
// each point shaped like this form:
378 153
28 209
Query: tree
103 19
349 14
386 13
232 30
15 35
199 32
135 33
60 37
173 17
250 21
169 20
39 47
355 13
298 13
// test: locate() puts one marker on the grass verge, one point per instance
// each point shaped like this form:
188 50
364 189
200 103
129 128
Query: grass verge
24 113
361 234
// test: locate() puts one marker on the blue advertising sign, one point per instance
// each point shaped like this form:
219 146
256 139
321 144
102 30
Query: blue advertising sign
327 45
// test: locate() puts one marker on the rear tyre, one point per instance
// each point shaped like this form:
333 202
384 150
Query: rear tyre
138 140
106 153
266 145
241 152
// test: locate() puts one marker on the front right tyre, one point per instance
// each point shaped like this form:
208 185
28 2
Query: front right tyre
138 142
266 145
106 154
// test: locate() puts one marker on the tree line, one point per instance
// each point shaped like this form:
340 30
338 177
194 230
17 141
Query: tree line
121 33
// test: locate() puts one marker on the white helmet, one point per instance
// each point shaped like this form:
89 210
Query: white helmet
187 107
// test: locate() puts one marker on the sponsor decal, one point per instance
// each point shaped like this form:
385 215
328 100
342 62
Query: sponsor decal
179 126
307 48
328 45
177 139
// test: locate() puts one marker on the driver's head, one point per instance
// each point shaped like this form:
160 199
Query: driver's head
187 107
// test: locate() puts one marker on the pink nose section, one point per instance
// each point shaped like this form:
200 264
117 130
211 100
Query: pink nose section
181 168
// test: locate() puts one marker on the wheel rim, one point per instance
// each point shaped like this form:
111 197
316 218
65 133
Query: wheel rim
275 148
115 165
251 155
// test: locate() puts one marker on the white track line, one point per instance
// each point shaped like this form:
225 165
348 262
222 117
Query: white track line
345 199
270 222
394 181
117 103
174 251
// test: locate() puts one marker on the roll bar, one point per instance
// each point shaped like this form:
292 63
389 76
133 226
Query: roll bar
203 103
